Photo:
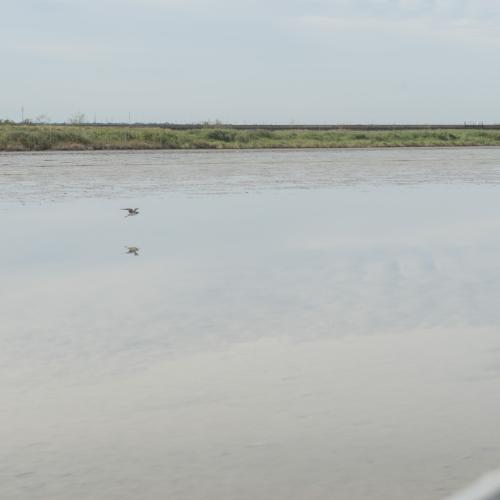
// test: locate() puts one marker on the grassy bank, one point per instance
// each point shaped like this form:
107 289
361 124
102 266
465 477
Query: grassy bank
83 137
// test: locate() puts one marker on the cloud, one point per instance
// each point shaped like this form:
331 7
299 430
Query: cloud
69 51
410 8
454 29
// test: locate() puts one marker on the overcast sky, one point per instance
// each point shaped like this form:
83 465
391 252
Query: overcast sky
246 61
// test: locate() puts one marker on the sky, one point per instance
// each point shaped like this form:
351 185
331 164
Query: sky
251 61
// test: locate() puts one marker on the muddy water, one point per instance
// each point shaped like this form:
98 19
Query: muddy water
295 324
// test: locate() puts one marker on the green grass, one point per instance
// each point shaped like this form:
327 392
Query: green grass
81 137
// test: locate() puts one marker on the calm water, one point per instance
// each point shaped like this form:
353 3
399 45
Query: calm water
297 325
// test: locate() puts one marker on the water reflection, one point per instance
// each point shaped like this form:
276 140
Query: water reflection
339 335
133 250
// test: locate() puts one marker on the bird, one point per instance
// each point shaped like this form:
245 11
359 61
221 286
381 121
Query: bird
134 250
131 211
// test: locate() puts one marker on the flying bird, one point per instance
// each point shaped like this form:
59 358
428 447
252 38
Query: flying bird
131 211
134 250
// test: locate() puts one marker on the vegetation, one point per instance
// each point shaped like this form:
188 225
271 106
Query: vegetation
29 137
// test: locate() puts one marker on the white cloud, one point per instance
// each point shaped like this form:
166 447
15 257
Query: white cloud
483 9
457 29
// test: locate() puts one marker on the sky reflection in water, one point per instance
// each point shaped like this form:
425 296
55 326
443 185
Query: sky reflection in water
264 343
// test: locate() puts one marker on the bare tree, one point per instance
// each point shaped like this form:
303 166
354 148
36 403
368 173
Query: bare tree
77 119
42 119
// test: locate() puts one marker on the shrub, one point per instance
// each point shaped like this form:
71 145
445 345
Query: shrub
222 135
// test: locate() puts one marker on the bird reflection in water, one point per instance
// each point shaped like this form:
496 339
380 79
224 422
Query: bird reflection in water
132 250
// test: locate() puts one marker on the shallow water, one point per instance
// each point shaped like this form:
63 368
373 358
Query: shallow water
296 324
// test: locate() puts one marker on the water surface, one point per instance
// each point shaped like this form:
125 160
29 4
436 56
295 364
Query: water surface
296 324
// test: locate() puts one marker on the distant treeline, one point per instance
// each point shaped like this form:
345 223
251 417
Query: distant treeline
30 137
187 126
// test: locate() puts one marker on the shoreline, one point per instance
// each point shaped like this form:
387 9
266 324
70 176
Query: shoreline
29 138
256 149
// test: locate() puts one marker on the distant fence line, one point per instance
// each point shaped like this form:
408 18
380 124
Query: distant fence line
360 127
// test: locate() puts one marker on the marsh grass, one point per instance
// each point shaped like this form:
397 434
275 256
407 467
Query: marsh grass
67 137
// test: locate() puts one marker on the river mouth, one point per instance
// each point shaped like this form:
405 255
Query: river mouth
271 324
